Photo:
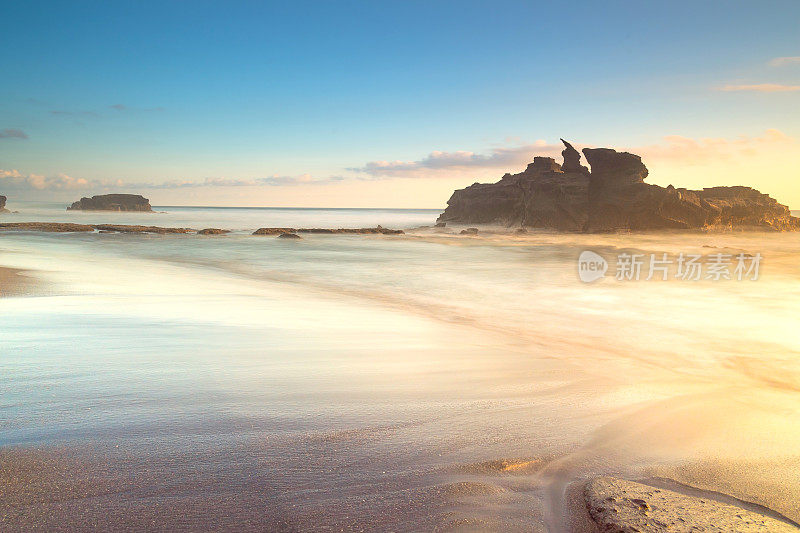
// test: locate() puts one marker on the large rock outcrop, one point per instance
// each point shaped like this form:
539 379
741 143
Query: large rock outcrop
3 204
612 197
112 202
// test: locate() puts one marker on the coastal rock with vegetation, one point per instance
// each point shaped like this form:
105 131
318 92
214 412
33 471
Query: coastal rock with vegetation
611 197
112 202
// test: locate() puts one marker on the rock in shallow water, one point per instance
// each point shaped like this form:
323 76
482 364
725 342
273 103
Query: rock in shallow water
112 202
612 197
619 506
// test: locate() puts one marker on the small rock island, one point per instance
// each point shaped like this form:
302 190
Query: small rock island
112 202
612 196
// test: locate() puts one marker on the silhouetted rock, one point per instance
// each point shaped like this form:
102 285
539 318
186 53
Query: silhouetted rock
289 236
612 197
572 159
112 202
213 231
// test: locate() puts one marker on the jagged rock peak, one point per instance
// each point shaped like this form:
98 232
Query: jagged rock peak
543 164
572 159
612 167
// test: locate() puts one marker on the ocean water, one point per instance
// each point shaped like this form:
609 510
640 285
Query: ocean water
356 382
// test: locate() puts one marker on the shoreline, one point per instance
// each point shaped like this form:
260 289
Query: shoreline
15 282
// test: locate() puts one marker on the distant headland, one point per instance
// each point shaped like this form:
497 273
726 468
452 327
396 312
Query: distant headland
612 196
112 202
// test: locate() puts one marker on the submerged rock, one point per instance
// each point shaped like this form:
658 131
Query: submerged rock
375 230
289 236
63 227
112 202
50 227
619 506
612 197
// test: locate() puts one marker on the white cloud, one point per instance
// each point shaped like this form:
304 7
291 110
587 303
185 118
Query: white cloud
761 88
443 164
786 60
15 180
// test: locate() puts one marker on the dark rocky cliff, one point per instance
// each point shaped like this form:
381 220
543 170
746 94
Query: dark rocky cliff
611 197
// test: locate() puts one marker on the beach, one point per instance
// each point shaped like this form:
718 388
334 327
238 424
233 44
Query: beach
424 381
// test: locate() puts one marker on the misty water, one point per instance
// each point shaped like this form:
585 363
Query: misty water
404 382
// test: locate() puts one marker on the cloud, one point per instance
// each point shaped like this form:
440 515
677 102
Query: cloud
11 133
689 151
443 164
62 113
781 61
123 107
274 180
13 179
761 88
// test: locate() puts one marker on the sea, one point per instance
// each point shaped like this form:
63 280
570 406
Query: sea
416 382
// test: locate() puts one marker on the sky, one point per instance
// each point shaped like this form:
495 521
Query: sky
388 104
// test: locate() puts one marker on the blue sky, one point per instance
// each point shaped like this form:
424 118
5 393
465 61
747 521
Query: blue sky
288 103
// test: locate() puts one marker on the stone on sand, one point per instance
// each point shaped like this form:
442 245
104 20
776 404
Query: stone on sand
620 506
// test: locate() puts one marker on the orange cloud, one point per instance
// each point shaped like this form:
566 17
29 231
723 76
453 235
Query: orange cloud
761 88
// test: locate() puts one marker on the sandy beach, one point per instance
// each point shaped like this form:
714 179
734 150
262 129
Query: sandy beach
480 386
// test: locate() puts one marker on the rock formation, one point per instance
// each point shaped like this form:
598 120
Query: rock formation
361 231
620 506
66 227
3 204
612 197
112 202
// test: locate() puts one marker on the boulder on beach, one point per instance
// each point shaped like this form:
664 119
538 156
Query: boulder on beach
112 202
619 506
611 197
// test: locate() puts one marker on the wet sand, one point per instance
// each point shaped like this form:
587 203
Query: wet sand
483 434
16 282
